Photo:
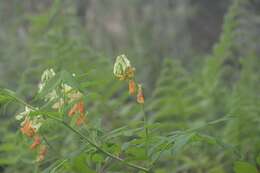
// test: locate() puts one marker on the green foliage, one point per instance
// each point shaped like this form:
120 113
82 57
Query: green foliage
243 167
201 119
176 97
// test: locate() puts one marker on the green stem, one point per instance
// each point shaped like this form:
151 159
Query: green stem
103 151
99 148
132 165
146 132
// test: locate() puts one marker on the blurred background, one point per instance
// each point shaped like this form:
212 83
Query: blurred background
197 59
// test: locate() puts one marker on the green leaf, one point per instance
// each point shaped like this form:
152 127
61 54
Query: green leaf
181 141
205 138
217 169
80 166
97 158
244 167
258 159
136 153
55 166
8 161
7 147
5 96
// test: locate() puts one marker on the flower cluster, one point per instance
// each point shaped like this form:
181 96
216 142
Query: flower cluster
71 95
124 71
29 127
60 96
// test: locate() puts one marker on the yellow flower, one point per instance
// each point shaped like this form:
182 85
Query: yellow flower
123 69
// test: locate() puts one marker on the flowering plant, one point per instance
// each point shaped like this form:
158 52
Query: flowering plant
61 99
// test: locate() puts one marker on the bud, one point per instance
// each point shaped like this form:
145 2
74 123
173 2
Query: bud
131 87
42 153
123 69
46 76
140 95
36 142
22 115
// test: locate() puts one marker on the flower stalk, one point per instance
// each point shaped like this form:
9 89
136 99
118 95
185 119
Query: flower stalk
43 152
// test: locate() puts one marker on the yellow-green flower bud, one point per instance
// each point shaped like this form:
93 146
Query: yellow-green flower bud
123 69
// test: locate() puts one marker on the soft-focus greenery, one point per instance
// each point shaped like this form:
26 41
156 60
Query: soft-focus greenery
202 83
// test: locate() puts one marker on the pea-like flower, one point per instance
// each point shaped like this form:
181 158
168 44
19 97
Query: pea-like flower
81 119
27 128
78 108
131 87
42 153
123 69
30 125
46 76
140 95
36 142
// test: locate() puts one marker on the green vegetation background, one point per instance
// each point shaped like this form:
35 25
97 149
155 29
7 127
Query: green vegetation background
198 60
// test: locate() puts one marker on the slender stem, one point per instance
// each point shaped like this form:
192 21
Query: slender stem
88 140
146 131
99 148
51 147
105 152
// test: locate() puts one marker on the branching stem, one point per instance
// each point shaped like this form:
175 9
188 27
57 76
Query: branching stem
132 165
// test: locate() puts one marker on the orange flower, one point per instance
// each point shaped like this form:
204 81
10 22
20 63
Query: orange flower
140 95
131 87
81 119
73 110
36 142
78 107
42 153
81 107
27 128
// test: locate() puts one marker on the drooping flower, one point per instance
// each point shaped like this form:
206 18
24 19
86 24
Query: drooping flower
123 69
36 142
42 153
30 124
66 90
27 128
140 95
81 119
77 108
71 93
131 87
80 109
